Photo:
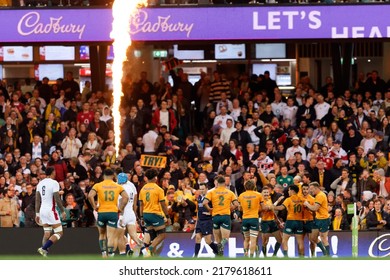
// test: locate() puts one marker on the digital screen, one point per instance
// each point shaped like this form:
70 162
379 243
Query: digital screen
52 71
260 68
187 54
270 50
84 53
14 53
230 51
283 80
50 53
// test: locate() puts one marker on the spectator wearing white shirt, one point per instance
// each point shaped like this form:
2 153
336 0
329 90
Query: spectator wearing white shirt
290 111
221 119
71 145
224 102
278 105
227 132
295 148
236 110
149 140
321 108
36 149
368 142
250 127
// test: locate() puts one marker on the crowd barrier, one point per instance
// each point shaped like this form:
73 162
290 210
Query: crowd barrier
80 241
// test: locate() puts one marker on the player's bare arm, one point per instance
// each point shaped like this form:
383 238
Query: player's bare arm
57 199
124 201
313 208
38 201
278 208
91 198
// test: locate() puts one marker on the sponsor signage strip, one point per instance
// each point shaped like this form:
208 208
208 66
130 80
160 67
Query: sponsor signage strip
200 23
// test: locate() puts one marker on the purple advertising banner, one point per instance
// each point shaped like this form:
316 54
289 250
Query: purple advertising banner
372 244
200 23
57 25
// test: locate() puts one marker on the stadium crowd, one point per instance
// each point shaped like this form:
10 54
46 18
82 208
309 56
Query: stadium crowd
242 128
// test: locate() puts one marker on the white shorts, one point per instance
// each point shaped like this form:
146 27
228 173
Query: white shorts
49 217
129 218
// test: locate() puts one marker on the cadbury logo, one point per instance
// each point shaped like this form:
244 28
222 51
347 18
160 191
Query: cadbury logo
140 24
31 23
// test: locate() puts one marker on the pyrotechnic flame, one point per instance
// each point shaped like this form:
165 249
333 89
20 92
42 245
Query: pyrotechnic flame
122 10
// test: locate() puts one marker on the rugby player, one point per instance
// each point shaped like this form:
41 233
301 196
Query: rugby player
322 220
46 200
308 218
294 224
223 201
204 224
250 205
268 225
152 201
108 193
129 219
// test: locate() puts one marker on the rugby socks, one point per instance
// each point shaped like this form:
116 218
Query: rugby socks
197 249
277 247
246 252
327 249
47 245
110 251
127 247
223 242
285 254
214 247
321 246
264 250
103 245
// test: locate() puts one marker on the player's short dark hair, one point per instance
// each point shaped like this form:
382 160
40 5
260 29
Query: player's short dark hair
151 173
221 180
108 172
49 170
294 188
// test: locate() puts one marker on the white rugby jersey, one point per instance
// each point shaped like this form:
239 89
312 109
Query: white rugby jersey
47 187
131 192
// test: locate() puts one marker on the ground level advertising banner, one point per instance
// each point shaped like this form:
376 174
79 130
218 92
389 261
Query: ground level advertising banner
200 23
84 241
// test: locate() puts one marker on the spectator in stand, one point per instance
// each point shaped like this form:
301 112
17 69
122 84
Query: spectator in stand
295 148
375 84
76 170
377 218
99 127
368 142
218 86
164 116
70 86
9 209
339 221
71 145
241 136
59 166
85 116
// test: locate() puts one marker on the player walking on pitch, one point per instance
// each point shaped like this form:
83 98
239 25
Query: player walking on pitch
108 194
129 219
46 200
